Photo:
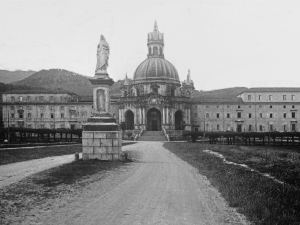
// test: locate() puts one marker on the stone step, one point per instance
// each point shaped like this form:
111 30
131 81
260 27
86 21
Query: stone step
153 136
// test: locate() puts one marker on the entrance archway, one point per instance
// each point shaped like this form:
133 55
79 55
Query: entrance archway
129 120
154 120
178 120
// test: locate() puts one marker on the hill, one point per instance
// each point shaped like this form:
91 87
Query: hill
12 76
65 80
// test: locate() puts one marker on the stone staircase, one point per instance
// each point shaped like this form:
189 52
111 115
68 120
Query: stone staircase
153 136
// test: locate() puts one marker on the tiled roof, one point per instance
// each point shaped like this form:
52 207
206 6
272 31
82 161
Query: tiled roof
274 89
38 91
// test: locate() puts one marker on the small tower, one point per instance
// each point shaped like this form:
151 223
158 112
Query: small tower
188 86
125 86
155 43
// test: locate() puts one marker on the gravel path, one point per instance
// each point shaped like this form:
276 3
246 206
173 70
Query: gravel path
158 188
14 172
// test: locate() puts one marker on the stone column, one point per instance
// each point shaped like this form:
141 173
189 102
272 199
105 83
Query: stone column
168 119
164 116
141 116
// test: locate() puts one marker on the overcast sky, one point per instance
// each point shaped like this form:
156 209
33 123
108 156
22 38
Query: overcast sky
224 43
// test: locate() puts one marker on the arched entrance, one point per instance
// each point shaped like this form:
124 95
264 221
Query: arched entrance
178 120
129 120
154 120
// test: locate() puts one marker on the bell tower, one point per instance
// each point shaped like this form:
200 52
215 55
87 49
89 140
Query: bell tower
155 43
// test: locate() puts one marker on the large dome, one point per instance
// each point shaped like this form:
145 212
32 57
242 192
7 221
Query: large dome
156 68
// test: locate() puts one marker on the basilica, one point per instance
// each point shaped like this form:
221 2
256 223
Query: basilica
156 99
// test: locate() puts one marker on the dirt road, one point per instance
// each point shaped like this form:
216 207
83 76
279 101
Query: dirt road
159 188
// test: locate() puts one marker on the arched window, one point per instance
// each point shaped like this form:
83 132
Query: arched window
160 51
155 51
188 94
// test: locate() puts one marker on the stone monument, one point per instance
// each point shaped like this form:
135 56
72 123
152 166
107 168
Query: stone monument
101 136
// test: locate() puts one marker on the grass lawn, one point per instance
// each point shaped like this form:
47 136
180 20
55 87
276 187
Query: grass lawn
24 154
261 199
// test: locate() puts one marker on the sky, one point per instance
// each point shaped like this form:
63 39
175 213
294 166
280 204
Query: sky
224 43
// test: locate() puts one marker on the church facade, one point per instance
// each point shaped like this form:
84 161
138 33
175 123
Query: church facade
155 99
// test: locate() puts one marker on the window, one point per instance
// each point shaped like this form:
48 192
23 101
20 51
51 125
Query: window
271 127
42 115
207 115
260 106
21 99
12 98
13 115
217 106
271 106
218 127
284 97
28 99
250 127
284 115
293 106
228 115
293 97
249 97
52 115
228 107
284 127
259 97
239 115
293 115
21 115
218 115
249 106
207 106
239 106
250 115
260 115
293 127
62 115
260 128
72 126
271 115
29 115
270 97
284 106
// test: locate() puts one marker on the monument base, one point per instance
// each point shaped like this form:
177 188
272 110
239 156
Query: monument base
101 139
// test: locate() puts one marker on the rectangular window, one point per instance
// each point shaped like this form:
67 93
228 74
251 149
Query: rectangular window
218 127
249 97
270 97
228 107
239 106
293 106
284 97
29 115
250 127
12 98
228 115
42 115
271 106
13 115
293 97
239 115
260 115
62 115
285 127
284 106
218 115
28 99
271 115
284 115
260 128
21 115
259 97
293 127
52 115
271 127
293 115
250 115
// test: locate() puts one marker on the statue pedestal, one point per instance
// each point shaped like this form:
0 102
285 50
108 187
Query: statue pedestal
101 136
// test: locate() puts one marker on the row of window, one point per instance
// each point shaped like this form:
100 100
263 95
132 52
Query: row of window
250 115
260 98
39 99
52 115
43 107
260 106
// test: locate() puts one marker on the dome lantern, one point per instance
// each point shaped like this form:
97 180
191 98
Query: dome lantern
155 43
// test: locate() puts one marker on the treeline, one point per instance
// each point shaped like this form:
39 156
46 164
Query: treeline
247 138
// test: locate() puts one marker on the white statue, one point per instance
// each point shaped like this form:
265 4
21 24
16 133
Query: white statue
102 56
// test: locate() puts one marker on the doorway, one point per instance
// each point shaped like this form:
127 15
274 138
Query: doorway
154 120
178 120
129 120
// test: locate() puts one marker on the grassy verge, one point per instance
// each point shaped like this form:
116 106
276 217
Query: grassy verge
43 189
261 199
24 154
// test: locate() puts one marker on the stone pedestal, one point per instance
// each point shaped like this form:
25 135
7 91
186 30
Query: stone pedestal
101 136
